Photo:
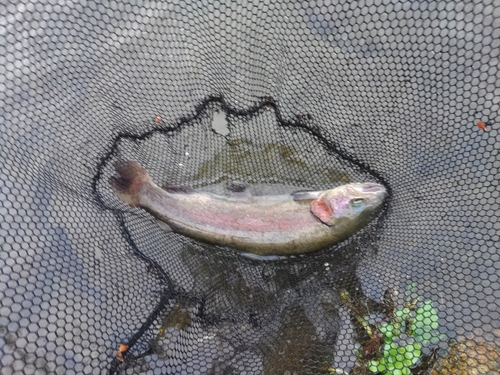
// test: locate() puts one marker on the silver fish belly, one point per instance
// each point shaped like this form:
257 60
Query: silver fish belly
262 225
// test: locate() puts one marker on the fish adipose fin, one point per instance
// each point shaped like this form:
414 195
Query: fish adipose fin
306 195
128 181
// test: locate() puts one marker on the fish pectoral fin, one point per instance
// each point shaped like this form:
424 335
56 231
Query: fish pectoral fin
306 195
178 189
164 226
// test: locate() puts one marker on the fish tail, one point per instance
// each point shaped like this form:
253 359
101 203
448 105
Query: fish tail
128 181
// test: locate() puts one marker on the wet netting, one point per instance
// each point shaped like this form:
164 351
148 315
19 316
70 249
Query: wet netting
279 96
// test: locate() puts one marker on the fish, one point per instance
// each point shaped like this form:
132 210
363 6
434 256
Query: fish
286 224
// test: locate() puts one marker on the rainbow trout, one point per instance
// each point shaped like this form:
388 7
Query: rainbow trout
289 224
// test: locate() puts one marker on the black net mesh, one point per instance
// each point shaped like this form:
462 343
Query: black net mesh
284 96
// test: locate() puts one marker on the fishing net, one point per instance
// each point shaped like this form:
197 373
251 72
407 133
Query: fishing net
283 96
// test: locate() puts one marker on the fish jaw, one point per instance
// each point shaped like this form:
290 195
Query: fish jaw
375 193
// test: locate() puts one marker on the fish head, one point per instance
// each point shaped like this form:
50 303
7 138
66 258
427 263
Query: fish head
353 203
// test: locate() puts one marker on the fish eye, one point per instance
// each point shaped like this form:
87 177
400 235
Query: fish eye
357 202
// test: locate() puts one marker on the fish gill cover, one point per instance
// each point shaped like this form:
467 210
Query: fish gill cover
284 96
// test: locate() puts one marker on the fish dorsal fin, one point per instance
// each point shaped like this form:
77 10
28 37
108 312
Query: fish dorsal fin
306 195
236 186
178 189
238 189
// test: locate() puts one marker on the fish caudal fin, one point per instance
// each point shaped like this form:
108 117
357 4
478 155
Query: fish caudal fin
128 181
